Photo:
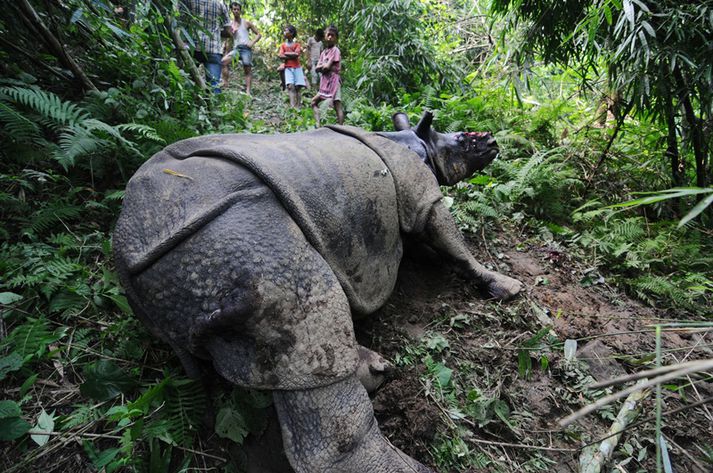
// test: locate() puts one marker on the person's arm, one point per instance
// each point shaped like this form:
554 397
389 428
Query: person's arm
293 54
257 37
227 31
282 54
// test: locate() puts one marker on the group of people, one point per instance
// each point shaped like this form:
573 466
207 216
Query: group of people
216 56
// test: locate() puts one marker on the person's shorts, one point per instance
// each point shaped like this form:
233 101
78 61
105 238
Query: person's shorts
337 95
245 55
295 75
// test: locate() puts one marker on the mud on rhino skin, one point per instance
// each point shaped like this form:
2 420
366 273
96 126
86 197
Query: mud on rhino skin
254 252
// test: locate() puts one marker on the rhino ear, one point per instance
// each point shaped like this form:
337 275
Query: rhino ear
423 129
400 120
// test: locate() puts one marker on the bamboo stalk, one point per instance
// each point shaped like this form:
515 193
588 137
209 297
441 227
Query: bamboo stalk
595 457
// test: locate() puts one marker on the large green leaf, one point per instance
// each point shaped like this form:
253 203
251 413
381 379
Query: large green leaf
105 380
45 423
12 428
230 424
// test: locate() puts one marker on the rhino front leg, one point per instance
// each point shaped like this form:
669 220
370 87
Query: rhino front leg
333 429
442 235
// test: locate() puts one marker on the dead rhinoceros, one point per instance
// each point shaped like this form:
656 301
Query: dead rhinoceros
254 252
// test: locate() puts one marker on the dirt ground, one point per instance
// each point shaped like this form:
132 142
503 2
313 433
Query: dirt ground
483 340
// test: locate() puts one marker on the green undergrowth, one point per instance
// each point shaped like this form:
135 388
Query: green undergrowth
81 375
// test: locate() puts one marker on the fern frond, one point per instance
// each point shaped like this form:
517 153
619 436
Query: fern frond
144 131
47 104
46 218
18 127
185 403
76 142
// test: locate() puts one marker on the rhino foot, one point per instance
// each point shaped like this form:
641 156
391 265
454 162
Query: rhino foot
501 287
373 369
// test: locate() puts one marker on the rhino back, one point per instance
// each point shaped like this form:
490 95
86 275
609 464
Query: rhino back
335 188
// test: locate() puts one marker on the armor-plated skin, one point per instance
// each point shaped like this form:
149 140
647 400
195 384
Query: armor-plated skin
254 252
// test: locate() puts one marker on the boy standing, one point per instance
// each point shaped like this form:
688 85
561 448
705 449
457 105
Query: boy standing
242 45
315 46
330 85
290 52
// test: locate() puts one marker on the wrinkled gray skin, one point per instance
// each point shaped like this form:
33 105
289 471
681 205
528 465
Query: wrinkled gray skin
221 282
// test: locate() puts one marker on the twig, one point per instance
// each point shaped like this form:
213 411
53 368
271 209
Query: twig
649 419
696 366
491 442
646 374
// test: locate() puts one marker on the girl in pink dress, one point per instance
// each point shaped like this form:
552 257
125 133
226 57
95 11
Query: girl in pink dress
330 83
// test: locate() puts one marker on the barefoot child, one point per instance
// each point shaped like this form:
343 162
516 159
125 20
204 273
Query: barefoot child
330 83
241 45
290 52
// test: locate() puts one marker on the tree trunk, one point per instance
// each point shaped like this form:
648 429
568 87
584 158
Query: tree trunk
187 59
54 45
677 163
696 131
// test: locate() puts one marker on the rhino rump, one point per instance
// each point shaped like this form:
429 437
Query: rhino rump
201 232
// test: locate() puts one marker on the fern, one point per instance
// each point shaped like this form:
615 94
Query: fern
184 406
32 337
47 104
18 127
144 131
77 142
56 212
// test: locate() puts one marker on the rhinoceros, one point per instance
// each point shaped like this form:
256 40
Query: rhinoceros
255 251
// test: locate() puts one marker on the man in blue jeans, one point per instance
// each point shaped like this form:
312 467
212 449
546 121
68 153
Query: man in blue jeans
214 23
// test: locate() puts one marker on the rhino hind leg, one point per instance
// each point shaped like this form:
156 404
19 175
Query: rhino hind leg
333 429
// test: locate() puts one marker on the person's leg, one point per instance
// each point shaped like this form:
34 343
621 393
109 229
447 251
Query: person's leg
300 83
291 94
246 58
340 111
315 109
248 79
212 71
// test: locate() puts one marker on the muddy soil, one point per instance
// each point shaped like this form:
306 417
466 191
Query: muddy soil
483 340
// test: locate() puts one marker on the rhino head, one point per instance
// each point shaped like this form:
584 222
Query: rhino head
451 156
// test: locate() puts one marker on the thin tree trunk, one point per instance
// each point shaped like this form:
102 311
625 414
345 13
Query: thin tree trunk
696 131
54 45
677 163
187 59
619 122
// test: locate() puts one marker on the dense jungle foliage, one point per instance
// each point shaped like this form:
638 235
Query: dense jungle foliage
603 110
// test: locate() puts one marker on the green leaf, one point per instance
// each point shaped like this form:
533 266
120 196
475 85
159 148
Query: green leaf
122 303
45 423
9 409
12 428
7 298
10 363
230 424
28 384
700 207
105 380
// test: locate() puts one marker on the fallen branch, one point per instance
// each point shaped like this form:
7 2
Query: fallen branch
594 457
694 367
